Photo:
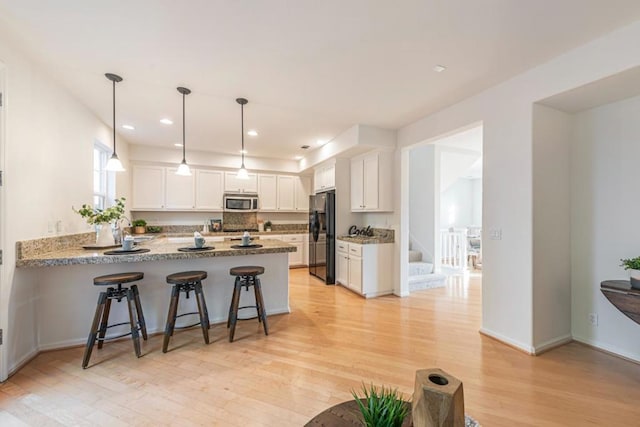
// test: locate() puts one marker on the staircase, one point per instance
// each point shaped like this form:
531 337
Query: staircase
421 274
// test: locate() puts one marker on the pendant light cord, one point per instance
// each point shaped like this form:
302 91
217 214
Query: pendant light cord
242 126
184 142
114 117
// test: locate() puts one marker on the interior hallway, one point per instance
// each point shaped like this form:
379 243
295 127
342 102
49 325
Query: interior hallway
331 342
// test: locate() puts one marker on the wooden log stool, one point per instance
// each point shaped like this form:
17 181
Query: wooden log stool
186 282
246 276
101 318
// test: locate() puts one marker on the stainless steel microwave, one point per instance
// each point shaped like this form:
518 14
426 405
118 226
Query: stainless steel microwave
241 202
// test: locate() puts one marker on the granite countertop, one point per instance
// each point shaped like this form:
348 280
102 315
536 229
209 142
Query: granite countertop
362 240
160 249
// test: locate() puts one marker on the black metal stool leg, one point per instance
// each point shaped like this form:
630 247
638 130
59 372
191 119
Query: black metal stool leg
202 310
233 297
94 329
140 314
233 313
262 314
104 322
132 320
171 317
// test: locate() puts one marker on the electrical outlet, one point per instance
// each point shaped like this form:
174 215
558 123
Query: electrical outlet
495 233
593 319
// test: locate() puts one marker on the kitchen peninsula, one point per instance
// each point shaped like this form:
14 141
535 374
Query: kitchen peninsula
65 298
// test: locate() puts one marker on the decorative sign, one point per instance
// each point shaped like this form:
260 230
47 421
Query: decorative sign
361 232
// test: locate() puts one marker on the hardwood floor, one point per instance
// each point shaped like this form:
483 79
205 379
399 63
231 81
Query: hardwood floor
331 342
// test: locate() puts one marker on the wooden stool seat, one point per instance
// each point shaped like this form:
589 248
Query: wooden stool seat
117 292
118 278
246 276
250 270
186 277
186 281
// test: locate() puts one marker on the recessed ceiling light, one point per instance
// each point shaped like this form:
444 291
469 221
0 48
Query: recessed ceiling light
304 147
166 121
243 152
321 142
177 144
299 157
252 132
128 127
439 68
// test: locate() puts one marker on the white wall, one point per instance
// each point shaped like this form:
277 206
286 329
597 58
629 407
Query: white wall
48 169
422 199
506 113
457 204
476 193
551 227
604 220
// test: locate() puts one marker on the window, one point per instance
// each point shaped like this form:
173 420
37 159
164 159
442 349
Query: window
103 181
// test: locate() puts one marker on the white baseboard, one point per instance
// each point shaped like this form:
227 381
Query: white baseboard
615 351
510 342
553 343
13 368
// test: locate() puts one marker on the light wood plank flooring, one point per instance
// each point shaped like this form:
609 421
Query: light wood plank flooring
331 342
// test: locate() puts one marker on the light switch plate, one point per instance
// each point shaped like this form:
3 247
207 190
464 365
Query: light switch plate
495 233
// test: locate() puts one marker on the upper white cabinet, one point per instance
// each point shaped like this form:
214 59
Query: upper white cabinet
324 178
302 189
179 190
286 192
371 182
268 192
148 187
209 189
232 184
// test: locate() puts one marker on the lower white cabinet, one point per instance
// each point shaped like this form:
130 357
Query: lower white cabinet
297 258
365 269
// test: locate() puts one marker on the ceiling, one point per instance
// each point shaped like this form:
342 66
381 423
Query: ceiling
310 69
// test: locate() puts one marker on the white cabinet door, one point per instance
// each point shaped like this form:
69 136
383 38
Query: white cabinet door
370 182
355 273
303 185
179 190
148 187
357 191
209 189
268 192
330 177
232 184
317 180
286 193
295 258
342 268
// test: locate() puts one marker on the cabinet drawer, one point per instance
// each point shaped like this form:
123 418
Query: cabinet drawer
293 238
342 247
355 249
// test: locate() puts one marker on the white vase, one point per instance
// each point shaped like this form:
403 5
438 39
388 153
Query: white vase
104 235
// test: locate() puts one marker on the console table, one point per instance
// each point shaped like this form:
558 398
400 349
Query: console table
623 297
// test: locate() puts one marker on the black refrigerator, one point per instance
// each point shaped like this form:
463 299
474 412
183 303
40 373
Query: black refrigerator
322 238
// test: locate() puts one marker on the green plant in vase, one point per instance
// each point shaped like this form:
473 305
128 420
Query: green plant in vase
267 225
139 226
381 407
633 265
101 219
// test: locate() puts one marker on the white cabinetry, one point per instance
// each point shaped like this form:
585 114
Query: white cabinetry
365 269
302 188
268 192
286 193
209 189
371 182
324 178
297 258
233 184
148 187
179 190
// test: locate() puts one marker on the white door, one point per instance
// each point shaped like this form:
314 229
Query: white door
342 269
148 187
286 193
355 273
356 185
209 189
370 182
303 186
268 192
180 190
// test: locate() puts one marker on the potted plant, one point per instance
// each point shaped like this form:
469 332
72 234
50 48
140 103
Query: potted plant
267 225
101 219
381 407
633 265
139 226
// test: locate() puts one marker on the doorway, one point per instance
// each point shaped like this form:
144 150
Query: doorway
4 287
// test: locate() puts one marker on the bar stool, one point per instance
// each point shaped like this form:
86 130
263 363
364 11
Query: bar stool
101 318
186 282
246 276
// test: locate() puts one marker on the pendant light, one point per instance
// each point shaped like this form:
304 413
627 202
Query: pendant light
183 169
242 172
114 164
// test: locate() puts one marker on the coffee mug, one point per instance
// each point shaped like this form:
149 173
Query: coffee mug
246 240
199 241
127 244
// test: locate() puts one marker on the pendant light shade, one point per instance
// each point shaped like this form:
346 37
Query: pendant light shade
183 169
242 172
114 164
